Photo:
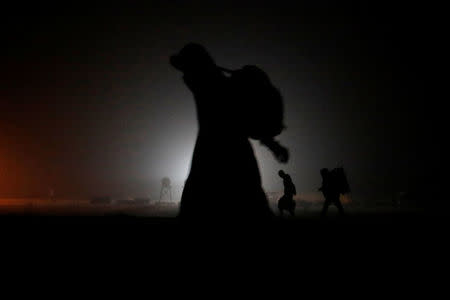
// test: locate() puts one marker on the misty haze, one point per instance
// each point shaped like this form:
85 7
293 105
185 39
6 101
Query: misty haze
96 121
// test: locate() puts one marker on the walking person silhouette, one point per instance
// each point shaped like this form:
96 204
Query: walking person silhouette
331 190
223 158
287 201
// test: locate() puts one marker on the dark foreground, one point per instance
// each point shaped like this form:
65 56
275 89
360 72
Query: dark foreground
383 228
369 247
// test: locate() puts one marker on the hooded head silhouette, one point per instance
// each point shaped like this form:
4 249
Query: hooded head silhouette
192 58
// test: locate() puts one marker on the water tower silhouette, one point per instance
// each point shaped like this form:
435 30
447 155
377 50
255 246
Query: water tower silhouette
166 190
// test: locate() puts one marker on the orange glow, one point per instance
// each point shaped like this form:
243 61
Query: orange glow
345 199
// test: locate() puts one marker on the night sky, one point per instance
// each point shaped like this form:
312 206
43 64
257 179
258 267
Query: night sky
89 103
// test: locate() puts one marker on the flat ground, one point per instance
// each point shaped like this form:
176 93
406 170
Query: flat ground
63 218
371 245
398 239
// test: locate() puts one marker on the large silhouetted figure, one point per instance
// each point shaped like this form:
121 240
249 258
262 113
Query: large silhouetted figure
287 201
223 159
331 189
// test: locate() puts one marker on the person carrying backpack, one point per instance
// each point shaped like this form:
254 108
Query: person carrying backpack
333 185
287 201
231 108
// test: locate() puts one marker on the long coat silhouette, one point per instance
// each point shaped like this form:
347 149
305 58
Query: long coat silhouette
224 181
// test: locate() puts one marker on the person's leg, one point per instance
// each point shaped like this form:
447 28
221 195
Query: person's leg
292 207
325 208
292 212
281 205
339 206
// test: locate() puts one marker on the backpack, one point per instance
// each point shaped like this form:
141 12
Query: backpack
340 180
260 103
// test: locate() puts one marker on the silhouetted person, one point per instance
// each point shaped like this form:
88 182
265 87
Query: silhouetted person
331 191
223 159
287 202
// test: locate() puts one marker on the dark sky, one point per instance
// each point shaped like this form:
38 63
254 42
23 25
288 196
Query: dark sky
89 103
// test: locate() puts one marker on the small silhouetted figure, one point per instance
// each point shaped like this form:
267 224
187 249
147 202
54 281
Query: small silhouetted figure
287 202
166 189
331 191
